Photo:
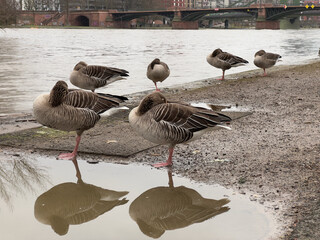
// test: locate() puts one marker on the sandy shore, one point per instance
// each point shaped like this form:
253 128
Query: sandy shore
271 155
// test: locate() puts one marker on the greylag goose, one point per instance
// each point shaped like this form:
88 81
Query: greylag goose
265 60
167 208
91 77
72 110
157 71
75 203
163 122
224 60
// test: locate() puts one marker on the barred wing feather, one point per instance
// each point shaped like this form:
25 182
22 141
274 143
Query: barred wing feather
190 118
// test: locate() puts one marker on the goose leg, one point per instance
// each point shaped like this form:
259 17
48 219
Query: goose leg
71 156
168 163
170 177
222 75
264 73
157 89
78 173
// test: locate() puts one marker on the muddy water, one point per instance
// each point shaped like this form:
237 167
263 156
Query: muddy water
42 198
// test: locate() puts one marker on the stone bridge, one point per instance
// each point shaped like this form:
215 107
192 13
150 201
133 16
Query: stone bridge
267 16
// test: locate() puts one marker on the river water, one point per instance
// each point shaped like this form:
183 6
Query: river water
32 60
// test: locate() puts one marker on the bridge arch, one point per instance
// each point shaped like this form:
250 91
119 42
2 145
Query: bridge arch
82 21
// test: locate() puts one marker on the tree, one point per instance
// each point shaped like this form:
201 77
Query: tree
8 12
29 5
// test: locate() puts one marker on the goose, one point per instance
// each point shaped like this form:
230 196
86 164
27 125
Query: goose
72 110
224 60
265 60
75 203
167 208
171 123
90 77
157 71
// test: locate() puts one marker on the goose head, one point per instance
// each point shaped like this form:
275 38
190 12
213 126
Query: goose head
154 62
216 52
150 101
79 65
58 92
260 53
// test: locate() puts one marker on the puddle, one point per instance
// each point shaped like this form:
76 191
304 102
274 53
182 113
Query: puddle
221 107
112 201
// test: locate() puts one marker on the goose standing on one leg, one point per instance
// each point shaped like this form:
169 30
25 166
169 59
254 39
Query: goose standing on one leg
91 77
157 71
224 60
163 122
72 110
265 60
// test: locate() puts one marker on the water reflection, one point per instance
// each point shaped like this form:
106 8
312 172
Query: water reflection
168 208
19 176
75 203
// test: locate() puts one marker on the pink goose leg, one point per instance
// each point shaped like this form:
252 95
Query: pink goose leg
222 75
78 173
264 74
168 163
71 156
157 89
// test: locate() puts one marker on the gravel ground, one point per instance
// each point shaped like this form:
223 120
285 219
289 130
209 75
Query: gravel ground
271 155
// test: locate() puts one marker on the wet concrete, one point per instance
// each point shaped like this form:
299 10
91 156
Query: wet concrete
46 200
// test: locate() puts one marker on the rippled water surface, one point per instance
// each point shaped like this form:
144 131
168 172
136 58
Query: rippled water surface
41 198
32 60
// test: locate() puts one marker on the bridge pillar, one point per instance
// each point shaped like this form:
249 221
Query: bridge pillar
262 23
177 23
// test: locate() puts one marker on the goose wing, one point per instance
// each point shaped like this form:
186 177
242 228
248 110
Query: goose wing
186 216
98 102
101 74
272 57
187 117
231 59
165 66
89 213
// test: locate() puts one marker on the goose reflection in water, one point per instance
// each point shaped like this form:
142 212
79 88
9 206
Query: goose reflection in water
168 208
75 203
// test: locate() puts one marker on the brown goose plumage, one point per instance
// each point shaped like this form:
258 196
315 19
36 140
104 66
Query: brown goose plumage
224 60
263 59
166 208
72 110
75 203
91 77
157 71
171 123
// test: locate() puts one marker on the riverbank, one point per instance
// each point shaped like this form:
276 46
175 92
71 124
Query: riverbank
271 155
